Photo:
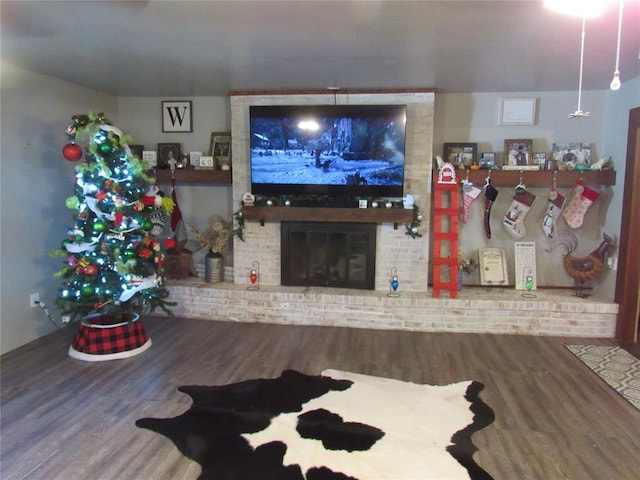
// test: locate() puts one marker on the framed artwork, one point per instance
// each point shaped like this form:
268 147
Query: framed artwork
460 154
517 111
168 153
493 266
220 149
569 155
488 160
177 116
518 152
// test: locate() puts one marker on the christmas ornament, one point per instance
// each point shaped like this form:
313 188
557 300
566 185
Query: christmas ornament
99 226
72 152
72 203
71 131
169 243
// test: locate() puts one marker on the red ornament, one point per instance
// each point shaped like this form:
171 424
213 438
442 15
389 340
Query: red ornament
169 243
72 152
253 277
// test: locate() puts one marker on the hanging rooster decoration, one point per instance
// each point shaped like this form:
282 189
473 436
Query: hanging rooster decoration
583 269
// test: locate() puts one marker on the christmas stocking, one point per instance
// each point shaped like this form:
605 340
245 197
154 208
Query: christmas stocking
490 195
583 198
469 193
554 207
514 218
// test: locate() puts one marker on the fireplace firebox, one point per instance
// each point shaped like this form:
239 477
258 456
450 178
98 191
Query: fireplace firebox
338 255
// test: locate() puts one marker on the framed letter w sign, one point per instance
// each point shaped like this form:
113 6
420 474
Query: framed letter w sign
177 116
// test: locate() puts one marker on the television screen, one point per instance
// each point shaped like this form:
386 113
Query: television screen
334 150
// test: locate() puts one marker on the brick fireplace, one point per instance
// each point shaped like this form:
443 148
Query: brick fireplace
394 249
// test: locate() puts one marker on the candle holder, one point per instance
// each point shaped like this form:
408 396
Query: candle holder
254 276
527 283
393 283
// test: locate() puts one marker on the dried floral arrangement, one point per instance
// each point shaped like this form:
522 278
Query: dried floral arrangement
217 236
466 265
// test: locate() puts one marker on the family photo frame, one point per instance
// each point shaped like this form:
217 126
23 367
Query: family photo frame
518 152
460 154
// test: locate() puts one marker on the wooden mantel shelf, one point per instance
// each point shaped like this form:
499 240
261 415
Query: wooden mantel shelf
324 214
537 178
204 176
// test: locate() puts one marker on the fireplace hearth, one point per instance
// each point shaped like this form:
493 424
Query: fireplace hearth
338 255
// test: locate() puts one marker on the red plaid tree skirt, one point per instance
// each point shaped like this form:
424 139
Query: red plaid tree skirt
97 339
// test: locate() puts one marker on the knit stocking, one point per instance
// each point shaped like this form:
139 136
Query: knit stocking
490 195
469 194
518 210
583 198
554 207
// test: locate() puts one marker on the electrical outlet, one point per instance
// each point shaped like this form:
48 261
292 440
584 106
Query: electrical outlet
612 263
34 299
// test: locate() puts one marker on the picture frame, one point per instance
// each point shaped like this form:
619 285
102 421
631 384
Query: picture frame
493 266
517 111
220 150
168 152
487 160
539 159
517 152
177 116
460 154
569 155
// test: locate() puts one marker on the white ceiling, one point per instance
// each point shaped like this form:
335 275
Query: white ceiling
192 48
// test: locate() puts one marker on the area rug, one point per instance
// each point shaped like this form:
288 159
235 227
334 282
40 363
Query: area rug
337 425
616 366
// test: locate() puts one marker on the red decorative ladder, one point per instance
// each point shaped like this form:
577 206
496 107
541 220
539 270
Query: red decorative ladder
446 209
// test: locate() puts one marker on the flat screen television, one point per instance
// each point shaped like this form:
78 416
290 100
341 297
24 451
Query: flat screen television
328 150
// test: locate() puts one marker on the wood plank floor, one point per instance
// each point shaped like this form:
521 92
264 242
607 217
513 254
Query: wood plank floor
67 419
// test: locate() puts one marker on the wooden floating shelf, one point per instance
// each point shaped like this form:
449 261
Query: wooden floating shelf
324 214
537 178
222 177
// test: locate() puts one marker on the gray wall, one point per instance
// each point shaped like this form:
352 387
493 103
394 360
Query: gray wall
35 180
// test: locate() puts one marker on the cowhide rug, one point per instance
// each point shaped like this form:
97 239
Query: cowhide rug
335 426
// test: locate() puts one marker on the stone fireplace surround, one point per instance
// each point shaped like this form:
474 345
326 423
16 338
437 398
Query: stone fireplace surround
552 312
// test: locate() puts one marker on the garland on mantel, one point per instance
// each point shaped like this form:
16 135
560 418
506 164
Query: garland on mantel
411 229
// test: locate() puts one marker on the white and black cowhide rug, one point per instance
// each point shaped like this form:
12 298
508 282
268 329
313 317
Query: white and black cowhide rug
335 426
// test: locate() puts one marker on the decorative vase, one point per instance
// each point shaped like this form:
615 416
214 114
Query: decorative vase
213 269
98 338
460 275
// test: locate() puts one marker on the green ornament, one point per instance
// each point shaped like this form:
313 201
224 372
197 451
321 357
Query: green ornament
99 226
129 253
72 202
106 148
147 225
87 290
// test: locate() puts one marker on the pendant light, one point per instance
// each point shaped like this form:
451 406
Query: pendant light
579 113
615 83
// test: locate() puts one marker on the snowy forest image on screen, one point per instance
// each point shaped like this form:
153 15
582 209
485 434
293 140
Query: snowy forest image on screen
354 146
